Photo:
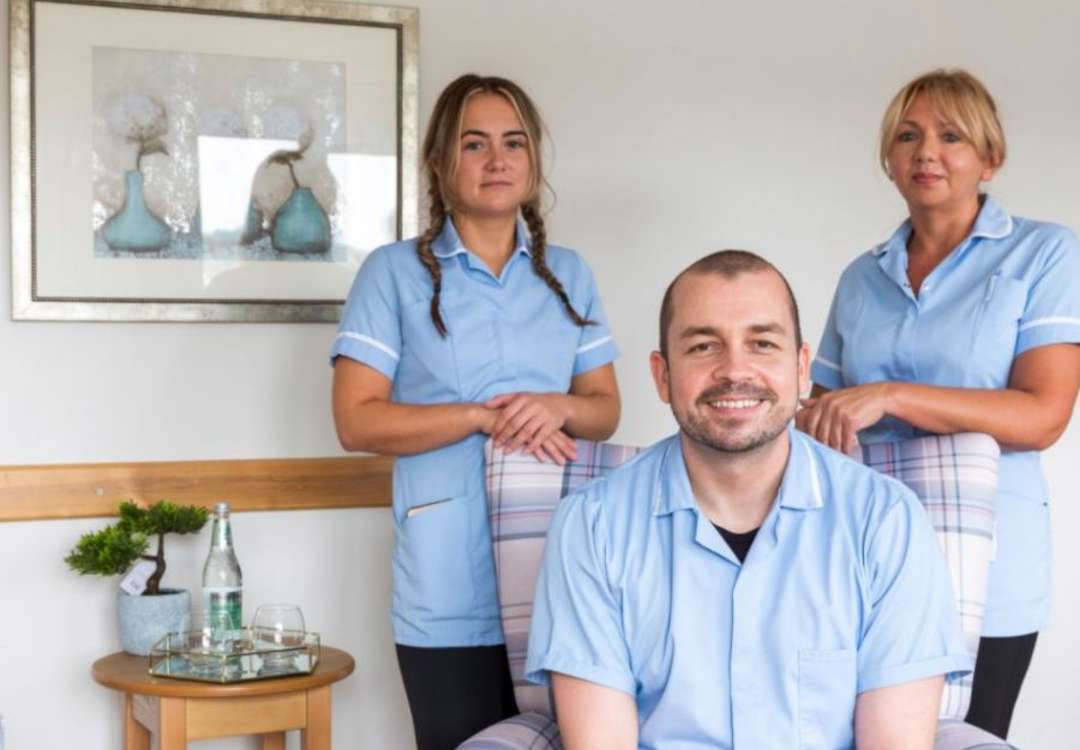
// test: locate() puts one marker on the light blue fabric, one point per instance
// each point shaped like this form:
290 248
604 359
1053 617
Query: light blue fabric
506 334
1012 285
844 590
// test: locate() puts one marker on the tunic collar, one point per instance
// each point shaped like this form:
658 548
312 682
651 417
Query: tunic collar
991 223
449 244
800 488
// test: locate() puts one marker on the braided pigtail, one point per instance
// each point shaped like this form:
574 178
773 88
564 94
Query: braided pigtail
436 222
535 223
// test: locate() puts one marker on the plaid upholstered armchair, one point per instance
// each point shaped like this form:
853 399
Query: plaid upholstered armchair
955 477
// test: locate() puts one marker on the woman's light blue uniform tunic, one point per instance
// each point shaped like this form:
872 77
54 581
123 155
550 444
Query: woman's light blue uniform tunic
506 334
1012 285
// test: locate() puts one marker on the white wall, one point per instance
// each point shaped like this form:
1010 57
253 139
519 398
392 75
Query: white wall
680 128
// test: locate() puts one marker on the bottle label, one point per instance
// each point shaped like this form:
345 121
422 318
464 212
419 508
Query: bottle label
223 607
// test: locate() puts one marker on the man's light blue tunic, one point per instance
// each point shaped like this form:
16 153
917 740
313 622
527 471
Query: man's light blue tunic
844 590
506 334
1010 286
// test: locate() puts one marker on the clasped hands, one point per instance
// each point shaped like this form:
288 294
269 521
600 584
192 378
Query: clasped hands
835 417
532 422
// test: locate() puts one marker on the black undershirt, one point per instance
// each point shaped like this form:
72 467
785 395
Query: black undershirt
739 543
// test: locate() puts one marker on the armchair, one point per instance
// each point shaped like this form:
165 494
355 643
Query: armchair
955 477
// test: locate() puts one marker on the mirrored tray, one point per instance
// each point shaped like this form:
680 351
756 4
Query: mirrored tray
235 656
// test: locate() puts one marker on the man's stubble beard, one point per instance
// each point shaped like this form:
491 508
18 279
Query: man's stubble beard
697 425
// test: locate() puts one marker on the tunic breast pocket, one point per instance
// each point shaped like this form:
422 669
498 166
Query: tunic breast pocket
548 355
475 342
996 328
427 359
827 689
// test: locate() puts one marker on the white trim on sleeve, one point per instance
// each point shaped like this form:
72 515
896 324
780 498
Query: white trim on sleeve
370 342
592 345
1061 320
831 365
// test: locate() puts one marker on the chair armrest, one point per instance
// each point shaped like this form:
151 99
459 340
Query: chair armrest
528 731
953 734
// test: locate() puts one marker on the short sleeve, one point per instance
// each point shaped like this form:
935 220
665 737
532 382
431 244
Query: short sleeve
825 369
596 347
576 625
911 629
370 330
1052 312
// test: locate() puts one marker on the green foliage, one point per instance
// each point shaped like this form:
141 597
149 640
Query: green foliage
163 517
114 549
108 552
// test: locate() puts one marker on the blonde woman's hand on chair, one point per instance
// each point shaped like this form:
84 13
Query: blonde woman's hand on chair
836 417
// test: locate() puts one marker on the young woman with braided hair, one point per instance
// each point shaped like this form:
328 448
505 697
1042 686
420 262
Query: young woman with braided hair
475 329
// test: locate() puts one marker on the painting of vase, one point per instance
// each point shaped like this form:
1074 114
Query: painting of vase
219 158
135 228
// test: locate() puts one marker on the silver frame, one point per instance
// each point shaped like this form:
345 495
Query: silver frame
27 305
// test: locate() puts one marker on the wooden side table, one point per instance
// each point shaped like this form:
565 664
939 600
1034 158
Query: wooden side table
182 710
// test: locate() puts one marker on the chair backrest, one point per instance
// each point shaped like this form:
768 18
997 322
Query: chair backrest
955 477
522 495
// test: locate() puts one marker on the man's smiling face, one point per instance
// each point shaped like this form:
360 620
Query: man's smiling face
733 372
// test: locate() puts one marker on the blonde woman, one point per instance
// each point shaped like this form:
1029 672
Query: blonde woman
966 319
476 328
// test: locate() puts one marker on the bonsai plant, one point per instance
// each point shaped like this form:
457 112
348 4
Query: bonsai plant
116 548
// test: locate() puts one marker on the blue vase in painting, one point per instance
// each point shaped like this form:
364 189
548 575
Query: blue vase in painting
134 227
301 225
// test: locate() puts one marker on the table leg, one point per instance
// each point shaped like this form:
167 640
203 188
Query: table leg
136 736
173 724
316 736
274 741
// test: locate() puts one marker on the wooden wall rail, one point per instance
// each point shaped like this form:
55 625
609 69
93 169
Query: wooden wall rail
91 490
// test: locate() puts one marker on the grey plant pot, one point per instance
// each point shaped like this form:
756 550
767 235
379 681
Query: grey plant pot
145 620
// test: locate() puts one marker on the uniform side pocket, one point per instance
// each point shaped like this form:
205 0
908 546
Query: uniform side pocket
434 569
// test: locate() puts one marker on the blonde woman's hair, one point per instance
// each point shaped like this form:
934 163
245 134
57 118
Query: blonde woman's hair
962 100
440 154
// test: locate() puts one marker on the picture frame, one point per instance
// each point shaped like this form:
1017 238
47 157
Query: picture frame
207 160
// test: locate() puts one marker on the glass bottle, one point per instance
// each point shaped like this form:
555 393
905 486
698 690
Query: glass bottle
222 580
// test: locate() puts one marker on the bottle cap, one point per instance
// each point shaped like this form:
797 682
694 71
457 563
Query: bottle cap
221 508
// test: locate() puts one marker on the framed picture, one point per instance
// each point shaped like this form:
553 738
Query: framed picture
206 160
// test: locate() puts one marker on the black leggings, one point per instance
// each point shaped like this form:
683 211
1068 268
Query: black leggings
455 692
999 672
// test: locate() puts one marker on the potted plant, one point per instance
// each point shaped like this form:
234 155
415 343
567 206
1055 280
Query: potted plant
144 618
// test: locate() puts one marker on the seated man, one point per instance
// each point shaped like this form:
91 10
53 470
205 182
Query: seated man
738 584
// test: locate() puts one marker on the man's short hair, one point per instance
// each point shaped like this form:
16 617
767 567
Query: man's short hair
729 264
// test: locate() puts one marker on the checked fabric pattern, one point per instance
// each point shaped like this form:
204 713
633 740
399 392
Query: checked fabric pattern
522 496
955 477
527 731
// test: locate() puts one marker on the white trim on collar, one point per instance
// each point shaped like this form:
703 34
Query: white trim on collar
815 481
